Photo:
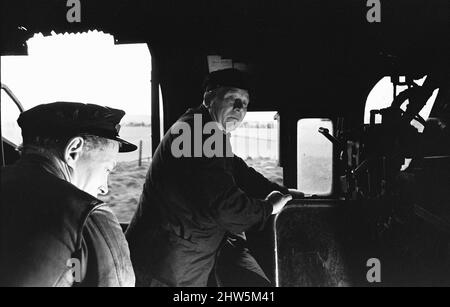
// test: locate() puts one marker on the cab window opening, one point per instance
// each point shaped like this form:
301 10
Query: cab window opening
382 94
90 67
256 141
314 157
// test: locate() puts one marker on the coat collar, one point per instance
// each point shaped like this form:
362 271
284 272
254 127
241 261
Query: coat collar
52 165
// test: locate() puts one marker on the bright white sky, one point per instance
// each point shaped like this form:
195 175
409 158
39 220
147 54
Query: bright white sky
86 68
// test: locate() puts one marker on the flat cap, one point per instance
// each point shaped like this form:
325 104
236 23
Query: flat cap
230 77
68 119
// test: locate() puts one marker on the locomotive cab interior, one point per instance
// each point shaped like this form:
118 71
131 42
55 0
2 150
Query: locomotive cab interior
388 197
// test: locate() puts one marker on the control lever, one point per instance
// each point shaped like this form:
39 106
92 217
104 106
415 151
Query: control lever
326 133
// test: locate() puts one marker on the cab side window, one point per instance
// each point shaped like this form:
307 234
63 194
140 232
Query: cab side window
257 142
314 157
89 67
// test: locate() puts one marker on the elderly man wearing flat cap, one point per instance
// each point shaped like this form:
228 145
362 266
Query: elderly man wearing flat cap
53 229
194 210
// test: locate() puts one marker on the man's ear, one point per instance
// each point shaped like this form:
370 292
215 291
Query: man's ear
207 98
73 150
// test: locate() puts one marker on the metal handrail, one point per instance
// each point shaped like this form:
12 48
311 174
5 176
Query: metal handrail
13 97
21 109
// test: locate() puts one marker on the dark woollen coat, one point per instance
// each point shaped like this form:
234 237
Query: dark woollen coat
187 207
46 223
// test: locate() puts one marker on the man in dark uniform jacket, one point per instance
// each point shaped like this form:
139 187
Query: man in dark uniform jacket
53 229
198 195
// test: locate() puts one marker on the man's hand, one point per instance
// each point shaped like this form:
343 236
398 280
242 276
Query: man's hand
278 201
296 194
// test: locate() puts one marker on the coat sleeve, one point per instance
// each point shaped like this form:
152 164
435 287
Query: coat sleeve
108 257
252 182
230 206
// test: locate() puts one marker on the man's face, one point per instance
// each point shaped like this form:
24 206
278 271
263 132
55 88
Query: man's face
93 168
229 108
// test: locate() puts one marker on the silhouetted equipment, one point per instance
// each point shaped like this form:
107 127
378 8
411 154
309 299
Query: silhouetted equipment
401 209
